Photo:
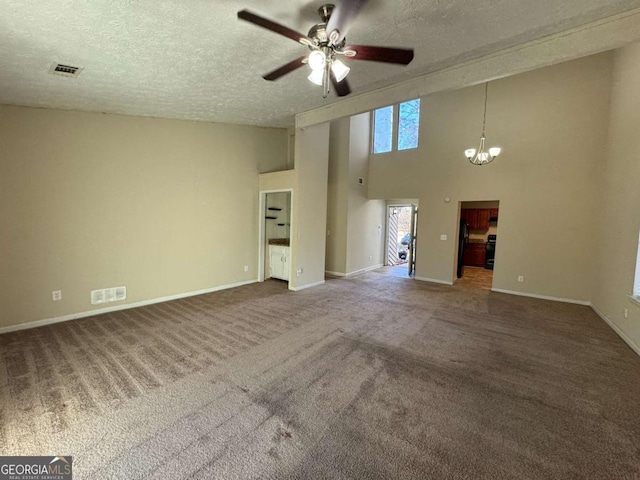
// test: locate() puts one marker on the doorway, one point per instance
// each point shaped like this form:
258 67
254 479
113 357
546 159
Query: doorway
402 222
477 241
275 235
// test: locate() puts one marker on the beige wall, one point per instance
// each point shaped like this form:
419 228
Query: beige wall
552 125
91 201
618 218
365 237
338 196
355 224
310 206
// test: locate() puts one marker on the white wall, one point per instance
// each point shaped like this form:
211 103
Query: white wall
618 219
90 201
552 125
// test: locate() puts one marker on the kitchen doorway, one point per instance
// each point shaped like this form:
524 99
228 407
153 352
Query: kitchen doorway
402 223
477 240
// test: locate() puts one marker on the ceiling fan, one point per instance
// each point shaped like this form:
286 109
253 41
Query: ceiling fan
327 43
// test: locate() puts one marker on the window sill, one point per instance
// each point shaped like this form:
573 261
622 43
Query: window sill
635 300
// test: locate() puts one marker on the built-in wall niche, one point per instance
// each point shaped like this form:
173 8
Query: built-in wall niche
278 215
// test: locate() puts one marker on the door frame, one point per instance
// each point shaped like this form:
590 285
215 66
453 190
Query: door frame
390 207
262 231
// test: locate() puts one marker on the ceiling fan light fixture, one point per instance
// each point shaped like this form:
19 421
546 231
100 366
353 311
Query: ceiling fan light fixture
340 70
317 60
326 40
317 77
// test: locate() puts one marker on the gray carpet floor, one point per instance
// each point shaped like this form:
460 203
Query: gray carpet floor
362 378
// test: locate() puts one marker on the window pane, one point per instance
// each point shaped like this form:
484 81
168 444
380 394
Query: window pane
382 129
409 124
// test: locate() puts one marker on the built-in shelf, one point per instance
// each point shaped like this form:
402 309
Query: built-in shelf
276 209
270 218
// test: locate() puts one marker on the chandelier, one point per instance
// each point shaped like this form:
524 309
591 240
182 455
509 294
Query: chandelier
481 157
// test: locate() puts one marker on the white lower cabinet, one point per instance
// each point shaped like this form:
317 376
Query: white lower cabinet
279 262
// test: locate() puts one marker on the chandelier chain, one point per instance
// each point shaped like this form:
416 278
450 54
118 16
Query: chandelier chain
484 120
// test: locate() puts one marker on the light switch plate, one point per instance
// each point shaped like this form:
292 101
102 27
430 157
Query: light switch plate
443 237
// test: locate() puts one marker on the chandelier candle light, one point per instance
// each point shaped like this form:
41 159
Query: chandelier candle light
481 157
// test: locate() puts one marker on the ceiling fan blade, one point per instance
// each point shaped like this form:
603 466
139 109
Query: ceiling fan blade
273 26
342 88
343 16
402 56
283 70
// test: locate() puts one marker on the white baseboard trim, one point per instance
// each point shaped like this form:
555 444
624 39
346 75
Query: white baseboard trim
542 297
334 274
364 270
351 274
434 280
304 287
126 306
635 347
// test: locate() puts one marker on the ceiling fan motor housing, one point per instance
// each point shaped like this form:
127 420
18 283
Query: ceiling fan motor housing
325 12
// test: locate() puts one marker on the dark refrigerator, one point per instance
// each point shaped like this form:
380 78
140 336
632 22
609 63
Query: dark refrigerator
463 239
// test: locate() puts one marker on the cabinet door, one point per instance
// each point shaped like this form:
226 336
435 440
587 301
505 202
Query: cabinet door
285 265
478 255
471 215
483 219
467 258
277 269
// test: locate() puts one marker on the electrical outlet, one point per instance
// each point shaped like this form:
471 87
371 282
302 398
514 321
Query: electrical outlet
626 313
246 268
299 272
56 295
520 279
443 237
370 257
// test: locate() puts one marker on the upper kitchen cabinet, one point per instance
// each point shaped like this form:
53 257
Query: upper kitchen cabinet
478 218
483 219
471 216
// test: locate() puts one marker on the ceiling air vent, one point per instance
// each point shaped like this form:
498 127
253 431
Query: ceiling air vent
65 70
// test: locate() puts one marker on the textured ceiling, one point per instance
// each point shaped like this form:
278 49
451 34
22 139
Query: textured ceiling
192 59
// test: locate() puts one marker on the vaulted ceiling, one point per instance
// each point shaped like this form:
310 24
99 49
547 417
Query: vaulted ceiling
194 60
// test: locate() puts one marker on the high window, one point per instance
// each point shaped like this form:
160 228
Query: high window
383 130
396 127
